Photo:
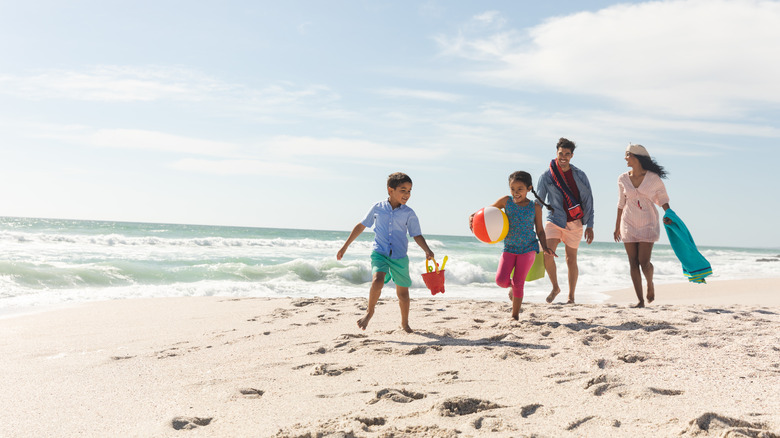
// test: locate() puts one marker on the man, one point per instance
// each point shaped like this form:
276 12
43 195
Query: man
567 190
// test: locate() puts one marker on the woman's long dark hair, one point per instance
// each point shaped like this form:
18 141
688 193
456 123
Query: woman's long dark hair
525 178
650 165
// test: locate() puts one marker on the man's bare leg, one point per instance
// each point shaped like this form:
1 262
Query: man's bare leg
574 271
552 271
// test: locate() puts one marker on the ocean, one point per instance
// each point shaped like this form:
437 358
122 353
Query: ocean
54 262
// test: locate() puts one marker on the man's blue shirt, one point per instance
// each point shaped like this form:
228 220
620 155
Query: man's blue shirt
390 228
546 188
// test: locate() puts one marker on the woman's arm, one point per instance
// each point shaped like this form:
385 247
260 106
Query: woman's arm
616 234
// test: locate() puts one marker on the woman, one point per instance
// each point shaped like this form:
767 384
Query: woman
637 222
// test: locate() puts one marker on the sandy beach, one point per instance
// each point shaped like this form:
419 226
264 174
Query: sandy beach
703 360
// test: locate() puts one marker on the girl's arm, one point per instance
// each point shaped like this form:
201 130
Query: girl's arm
540 230
424 245
352 236
501 203
616 234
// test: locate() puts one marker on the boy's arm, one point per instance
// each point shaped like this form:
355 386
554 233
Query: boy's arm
352 236
424 245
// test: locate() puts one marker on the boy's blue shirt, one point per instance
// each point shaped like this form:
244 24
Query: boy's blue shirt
390 228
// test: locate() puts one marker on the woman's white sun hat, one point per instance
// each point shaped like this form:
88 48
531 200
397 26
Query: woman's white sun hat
637 149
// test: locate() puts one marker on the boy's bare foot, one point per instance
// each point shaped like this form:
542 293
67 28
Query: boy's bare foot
650 293
553 294
406 328
638 305
363 322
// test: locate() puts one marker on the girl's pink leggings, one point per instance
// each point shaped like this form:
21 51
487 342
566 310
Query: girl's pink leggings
521 263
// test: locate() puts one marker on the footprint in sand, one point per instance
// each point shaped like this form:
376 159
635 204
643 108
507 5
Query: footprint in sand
457 406
529 410
601 384
397 395
660 391
711 424
188 423
421 349
633 357
580 422
326 370
251 392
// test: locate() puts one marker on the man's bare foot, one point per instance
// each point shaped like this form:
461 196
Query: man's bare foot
363 322
552 295
650 292
638 305
406 328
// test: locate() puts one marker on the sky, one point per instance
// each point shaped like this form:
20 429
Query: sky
292 113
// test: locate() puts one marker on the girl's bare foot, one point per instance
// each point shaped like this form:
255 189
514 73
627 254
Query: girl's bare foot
363 322
553 294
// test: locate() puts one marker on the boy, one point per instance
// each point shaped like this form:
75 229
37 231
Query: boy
391 219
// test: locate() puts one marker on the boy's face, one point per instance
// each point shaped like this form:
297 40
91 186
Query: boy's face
400 194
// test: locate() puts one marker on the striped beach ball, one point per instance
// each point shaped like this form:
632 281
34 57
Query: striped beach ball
490 225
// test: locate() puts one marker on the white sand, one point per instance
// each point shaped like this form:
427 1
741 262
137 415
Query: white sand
260 367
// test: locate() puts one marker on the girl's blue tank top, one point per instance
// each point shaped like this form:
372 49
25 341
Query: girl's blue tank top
521 237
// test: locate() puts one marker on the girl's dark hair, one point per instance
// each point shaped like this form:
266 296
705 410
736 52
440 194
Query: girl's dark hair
650 165
525 178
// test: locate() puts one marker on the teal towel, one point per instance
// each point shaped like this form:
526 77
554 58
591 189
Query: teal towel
694 265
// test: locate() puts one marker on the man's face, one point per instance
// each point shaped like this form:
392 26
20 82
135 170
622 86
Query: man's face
563 157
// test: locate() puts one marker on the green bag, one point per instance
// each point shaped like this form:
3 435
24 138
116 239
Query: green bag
537 270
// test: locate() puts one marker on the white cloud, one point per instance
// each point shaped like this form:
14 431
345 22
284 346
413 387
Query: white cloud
403 93
246 167
143 84
159 141
112 83
349 149
698 58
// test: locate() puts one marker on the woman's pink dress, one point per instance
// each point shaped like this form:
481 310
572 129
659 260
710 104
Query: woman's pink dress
640 222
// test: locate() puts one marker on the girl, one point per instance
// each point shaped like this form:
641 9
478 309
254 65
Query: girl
520 244
637 222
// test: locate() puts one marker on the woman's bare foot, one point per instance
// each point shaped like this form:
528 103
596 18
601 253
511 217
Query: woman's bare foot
553 294
406 328
638 305
650 293
511 296
363 322
571 301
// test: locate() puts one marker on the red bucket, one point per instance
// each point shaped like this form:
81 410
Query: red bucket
434 280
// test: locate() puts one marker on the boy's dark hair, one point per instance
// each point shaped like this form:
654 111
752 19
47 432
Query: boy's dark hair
396 179
525 178
566 144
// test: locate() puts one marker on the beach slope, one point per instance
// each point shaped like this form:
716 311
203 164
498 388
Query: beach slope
291 367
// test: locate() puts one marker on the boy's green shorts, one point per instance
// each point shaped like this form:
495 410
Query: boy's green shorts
398 269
